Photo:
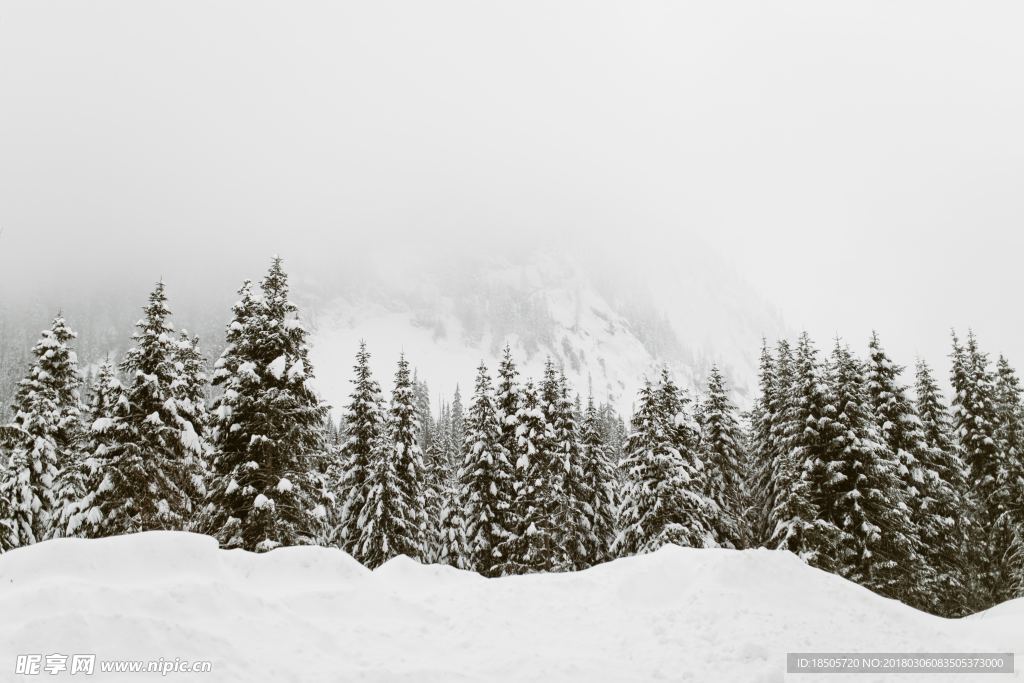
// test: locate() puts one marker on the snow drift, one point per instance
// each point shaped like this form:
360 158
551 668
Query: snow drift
314 614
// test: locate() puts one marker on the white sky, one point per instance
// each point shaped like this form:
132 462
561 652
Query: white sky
861 162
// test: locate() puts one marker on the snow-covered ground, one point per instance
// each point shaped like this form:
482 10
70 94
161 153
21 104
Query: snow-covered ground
314 614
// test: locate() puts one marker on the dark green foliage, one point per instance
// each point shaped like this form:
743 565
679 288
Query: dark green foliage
859 490
601 486
663 496
485 482
148 466
364 418
944 538
269 435
392 520
724 458
997 554
802 447
43 441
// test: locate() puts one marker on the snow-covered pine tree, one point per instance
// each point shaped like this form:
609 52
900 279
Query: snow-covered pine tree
902 431
190 388
601 485
422 392
484 481
899 426
795 522
996 551
613 434
192 383
761 478
458 428
1010 434
533 545
106 393
574 522
42 442
106 398
365 419
722 442
148 467
509 399
446 536
663 500
440 477
269 435
393 519
1010 437
944 538
443 443
508 396
444 496
859 488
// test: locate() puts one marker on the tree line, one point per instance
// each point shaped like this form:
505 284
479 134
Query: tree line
837 461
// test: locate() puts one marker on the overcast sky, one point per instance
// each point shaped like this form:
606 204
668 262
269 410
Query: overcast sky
862 163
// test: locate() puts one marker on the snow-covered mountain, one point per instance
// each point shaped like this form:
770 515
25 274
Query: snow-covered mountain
606 323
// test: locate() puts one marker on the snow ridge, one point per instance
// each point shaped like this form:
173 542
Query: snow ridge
314 614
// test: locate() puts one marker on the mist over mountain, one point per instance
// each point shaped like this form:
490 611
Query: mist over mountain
606 327
604 318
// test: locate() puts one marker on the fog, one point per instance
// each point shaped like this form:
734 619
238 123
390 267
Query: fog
861 164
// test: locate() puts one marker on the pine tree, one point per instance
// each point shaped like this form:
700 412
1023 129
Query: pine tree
147 471
365 419
570 484
1009 436
422 392
613 435
944 539
902 432
663 499
392 520
106 398
795 522
458 429
269 434
762 450
191 384
529 548
997 555
448 535
859 488
43 441
509 397
723 454
105 394
484 480
534 544
440 477
601 485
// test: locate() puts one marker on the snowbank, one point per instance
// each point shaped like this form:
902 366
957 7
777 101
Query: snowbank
313 614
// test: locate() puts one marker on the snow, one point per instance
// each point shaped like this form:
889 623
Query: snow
314 614
298 369
277 366
248 370
603 335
